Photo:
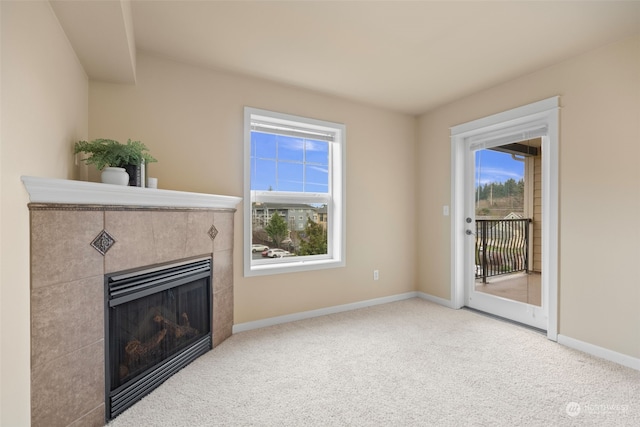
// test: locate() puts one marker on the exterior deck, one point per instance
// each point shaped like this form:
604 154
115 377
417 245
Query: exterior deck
523 287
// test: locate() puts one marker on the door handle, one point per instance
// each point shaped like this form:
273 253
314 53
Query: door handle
469 232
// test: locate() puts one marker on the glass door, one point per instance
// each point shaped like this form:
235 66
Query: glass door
503 238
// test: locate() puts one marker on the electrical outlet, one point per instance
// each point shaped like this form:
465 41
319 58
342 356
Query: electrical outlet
376 274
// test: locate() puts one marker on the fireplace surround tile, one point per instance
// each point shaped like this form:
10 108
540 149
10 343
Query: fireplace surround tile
198 239
61 324
61 242
222 315
153 237
169 235
134 247
103 242
222 270
94 418
68 387
224 224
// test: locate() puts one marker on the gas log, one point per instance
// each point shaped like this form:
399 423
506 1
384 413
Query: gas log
178 331
135 350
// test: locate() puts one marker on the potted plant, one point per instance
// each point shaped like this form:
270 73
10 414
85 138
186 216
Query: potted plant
114 158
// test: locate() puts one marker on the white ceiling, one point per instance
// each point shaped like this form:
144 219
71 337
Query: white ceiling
408 56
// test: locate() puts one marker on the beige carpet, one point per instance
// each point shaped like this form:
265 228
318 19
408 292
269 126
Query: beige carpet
407 363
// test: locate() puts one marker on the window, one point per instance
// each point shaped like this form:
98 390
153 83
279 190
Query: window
293 164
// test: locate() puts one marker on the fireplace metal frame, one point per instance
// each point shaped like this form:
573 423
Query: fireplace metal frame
125 286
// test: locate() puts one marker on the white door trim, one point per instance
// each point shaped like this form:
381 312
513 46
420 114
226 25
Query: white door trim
511 125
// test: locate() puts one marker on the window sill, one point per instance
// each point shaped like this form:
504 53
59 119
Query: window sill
293 267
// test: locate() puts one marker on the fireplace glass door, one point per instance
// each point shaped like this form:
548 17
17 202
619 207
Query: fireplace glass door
158 321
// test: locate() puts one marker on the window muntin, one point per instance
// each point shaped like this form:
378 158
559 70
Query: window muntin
294 167
288 163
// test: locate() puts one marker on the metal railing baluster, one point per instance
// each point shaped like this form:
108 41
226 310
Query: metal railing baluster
502 246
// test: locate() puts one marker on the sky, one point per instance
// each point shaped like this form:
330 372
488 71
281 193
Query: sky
494 166
286 163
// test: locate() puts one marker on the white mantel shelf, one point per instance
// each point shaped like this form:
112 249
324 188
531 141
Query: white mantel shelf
64 191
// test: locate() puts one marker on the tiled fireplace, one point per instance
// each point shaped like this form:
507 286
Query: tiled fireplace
81 232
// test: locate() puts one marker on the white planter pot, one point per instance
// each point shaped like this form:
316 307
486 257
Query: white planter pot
117 176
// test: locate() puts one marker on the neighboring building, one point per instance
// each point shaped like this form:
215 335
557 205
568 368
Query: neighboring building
322 217
295 214
513 215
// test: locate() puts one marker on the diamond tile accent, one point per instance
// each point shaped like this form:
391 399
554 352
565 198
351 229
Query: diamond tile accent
213 232
103 242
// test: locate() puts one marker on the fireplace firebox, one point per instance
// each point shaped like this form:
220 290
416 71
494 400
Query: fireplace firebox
157 321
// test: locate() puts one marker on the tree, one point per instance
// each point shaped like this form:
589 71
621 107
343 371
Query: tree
315 242
259 236
277 229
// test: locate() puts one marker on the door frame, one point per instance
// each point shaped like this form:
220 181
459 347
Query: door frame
537 119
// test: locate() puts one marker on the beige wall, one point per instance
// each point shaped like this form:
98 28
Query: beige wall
44 109
192 121
599 289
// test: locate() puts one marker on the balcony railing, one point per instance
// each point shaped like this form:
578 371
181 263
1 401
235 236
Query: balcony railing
502 246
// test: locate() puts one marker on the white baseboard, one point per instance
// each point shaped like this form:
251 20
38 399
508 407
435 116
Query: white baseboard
594 350
247 326
604 353
437 300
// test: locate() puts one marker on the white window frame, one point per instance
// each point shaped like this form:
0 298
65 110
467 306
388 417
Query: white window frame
335 198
